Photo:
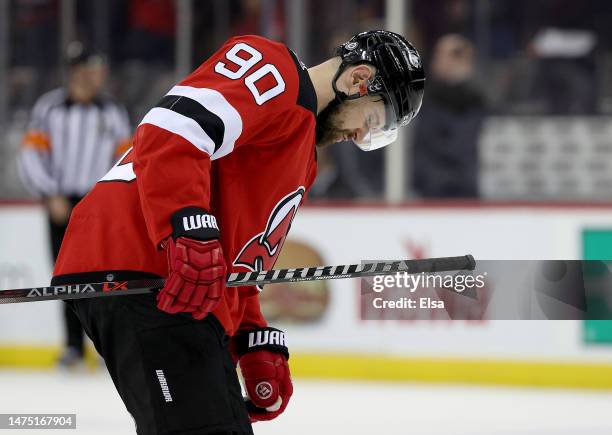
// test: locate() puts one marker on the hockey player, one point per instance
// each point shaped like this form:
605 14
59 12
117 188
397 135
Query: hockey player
216 174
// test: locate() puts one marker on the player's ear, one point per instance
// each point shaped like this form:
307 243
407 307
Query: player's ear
355 76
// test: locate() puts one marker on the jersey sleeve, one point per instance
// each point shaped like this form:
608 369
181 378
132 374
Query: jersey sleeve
226 103
252 317
34 159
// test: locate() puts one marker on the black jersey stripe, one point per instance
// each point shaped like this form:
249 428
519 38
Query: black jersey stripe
212 124
307 97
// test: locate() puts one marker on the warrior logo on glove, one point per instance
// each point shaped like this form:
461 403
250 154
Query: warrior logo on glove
198 221
196 266
263 356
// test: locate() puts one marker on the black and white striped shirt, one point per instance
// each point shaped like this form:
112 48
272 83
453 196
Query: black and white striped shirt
69 146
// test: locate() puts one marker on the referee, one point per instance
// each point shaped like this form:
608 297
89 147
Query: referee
74 136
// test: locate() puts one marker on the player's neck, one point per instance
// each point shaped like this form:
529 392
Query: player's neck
321 76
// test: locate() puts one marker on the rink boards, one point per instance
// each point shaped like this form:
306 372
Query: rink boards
330 339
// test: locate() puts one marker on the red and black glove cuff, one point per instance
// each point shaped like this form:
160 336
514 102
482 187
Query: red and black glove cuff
194 223
270 339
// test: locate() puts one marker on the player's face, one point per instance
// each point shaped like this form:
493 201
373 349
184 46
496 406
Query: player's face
351 120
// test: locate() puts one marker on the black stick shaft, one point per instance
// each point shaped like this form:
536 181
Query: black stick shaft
81 291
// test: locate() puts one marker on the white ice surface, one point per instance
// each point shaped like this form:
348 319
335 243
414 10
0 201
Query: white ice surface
320 408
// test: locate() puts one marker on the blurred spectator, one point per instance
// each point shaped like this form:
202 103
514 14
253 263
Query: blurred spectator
563 46
445 155
36 31
74 136
35 40
506 25
343 174
151 32
356 16
435 18
565 77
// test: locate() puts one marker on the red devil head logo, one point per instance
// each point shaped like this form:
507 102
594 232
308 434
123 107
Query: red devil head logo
261 252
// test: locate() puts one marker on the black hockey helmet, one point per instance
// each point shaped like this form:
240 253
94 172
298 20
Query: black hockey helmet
399 80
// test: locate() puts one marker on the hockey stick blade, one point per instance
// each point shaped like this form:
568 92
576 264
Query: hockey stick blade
236 279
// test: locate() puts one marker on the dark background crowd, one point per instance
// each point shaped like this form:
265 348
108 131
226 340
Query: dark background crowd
484 58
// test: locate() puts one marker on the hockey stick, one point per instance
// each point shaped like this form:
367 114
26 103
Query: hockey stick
112 288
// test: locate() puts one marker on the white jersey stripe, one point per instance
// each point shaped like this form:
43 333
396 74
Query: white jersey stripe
73 142
56 118
215 102
92 149
123 172
180 125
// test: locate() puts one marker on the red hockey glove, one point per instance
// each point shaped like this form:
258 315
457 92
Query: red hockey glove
196 267
263 359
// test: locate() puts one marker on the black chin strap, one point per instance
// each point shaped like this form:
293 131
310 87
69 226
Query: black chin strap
340 96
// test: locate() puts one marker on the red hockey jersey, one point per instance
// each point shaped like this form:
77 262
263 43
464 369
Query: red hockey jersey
237 138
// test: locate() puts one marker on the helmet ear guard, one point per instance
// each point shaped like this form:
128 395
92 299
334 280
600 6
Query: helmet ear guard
399 79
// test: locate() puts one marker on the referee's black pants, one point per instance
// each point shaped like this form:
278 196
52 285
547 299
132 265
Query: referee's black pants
74 335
